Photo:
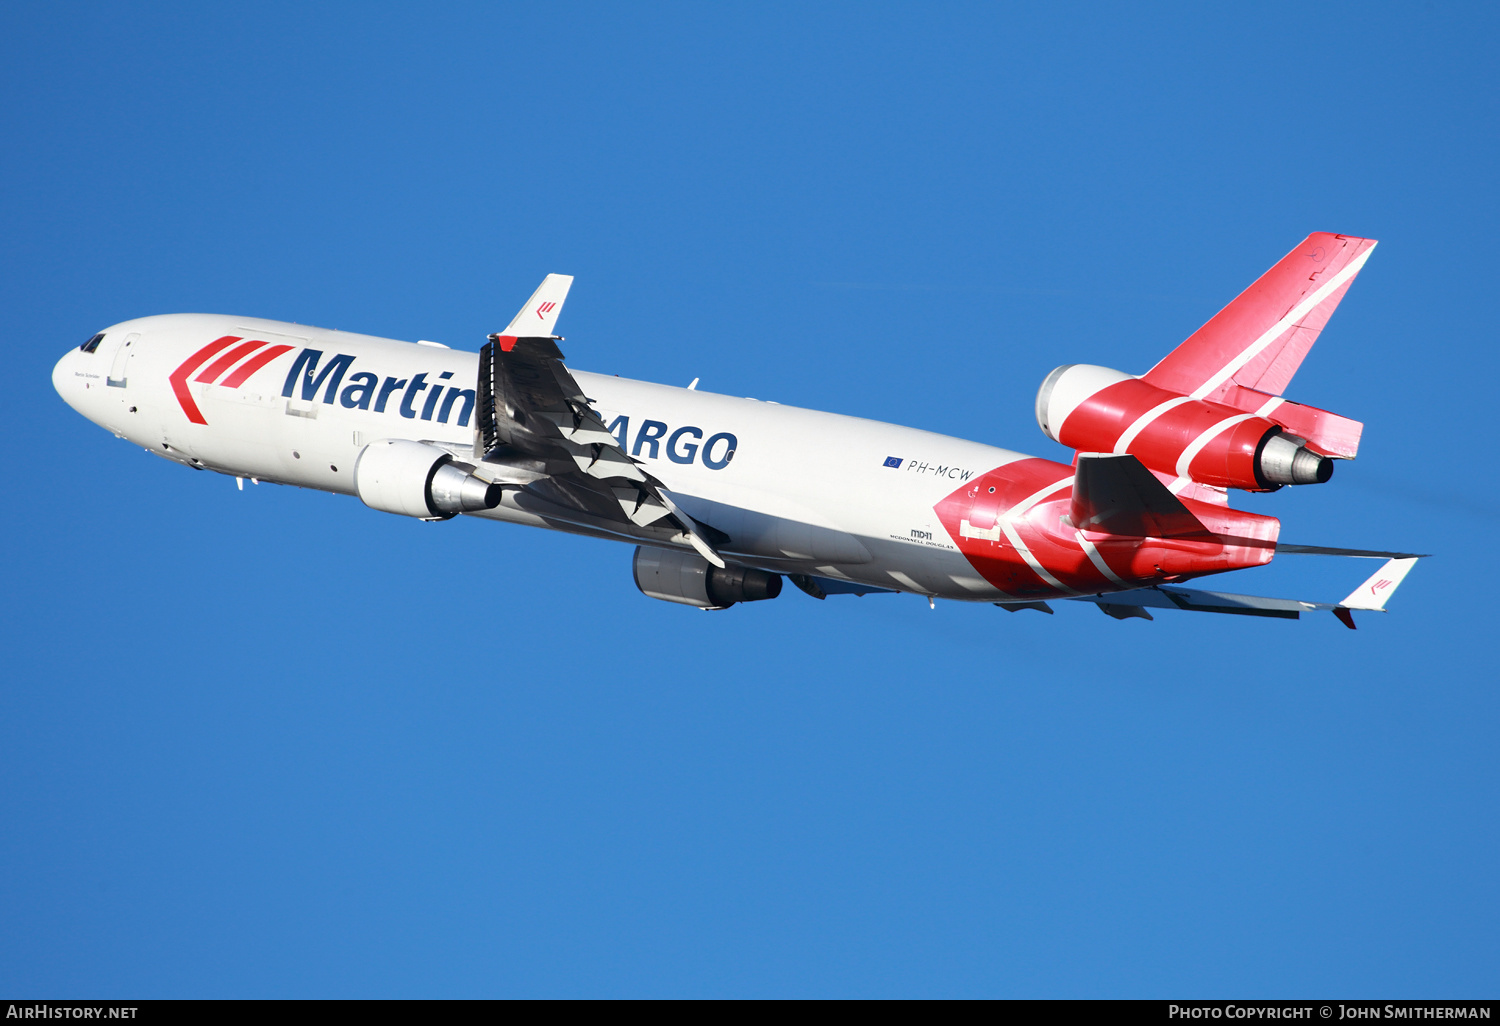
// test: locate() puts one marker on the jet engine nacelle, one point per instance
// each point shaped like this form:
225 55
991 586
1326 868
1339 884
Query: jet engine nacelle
418 480
1096 409
678 575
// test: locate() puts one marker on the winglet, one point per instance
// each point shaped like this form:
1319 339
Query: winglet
539 315
1374 593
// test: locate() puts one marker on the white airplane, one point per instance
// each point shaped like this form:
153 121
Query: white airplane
723 496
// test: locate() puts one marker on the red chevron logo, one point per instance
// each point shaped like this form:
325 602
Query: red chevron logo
544 309
179 377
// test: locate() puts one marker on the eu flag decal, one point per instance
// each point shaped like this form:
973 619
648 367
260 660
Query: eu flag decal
893 461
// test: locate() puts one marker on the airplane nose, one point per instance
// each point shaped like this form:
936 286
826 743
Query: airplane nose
71 381
62 376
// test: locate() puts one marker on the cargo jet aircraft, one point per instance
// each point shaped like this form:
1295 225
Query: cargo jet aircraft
724 496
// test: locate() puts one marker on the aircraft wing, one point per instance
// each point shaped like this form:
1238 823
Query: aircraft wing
535 430
1372 595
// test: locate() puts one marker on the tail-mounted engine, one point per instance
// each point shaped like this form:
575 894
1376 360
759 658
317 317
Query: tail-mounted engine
419 480
677 575
1259 445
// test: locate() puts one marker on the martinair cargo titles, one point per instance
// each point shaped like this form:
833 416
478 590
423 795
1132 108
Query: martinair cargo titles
723 497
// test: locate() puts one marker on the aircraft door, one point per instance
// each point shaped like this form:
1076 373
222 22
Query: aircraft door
120 368
984 506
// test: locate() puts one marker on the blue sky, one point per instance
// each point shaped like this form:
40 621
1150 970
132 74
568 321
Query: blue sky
273 743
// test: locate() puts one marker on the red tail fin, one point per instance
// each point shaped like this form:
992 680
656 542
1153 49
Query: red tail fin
1258 341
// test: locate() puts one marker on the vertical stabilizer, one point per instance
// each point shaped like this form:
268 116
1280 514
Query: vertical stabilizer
1258 341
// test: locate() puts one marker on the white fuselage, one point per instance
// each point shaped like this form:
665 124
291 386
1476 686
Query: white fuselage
796 490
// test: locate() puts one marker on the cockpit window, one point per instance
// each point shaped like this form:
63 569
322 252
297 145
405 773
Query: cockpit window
93 343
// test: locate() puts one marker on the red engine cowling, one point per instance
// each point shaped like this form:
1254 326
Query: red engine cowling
1096 409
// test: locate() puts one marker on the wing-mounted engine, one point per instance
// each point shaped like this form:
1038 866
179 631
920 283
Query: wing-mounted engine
1096 409
676 575
415 479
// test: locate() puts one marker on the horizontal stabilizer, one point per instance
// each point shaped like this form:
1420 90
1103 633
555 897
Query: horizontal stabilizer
1373 594
1324 550
1168 597
1116 494
539 315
